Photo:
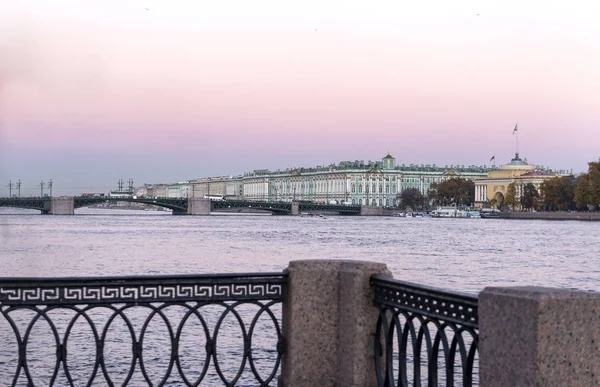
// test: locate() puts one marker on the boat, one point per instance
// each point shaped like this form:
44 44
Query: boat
454 212
490 213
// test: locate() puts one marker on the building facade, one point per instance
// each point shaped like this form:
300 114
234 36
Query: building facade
490 191
375 183
228 187
358 183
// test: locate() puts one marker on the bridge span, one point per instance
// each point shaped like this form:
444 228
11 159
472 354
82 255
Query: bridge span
66 205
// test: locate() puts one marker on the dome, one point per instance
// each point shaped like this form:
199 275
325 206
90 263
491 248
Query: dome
516 164
389 162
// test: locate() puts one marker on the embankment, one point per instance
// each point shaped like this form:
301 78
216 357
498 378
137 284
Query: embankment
551 215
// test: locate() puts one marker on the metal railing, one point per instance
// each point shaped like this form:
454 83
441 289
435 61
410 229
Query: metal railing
146 330
424 336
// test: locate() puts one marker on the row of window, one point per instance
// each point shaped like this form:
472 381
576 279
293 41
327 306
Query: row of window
375 202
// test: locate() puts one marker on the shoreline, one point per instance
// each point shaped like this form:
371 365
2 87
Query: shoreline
585 216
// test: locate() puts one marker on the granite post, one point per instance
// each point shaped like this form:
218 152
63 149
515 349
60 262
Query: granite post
371 211
329 322
295 208
198 206
62 205
533 336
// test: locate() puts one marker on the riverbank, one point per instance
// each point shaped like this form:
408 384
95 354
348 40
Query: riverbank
551 215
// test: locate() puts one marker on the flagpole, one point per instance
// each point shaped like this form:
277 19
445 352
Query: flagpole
517 131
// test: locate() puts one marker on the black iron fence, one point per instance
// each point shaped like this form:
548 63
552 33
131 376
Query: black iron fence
424 336
155 331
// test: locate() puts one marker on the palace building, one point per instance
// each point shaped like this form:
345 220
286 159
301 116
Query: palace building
491 190
375 183
351 182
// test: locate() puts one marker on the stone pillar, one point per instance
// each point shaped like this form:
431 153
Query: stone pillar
295 208
62 205
329 323
198 206
532 336
371 211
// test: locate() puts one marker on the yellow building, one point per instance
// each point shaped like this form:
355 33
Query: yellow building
491 190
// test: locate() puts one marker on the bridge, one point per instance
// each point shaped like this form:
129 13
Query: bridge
66 205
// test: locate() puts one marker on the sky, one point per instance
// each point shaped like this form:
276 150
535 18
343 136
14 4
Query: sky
163 91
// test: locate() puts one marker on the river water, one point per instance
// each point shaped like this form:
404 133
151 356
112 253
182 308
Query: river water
457 254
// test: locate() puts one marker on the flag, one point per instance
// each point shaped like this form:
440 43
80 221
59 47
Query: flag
493 158
516 129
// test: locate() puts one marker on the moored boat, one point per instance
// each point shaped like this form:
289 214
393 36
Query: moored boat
490 213
454 212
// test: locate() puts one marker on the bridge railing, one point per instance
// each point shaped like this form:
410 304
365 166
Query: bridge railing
213 329
424 336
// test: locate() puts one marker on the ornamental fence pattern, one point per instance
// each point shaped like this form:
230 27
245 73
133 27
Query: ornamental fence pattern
424 336
155 331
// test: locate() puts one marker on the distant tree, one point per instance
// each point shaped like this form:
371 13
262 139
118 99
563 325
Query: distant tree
456 191
558 193
594 176
510 199
412 197
587 192
549 195
582 192
530 198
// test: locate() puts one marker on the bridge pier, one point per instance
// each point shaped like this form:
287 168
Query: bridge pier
198 206
371 211
63 205
295 208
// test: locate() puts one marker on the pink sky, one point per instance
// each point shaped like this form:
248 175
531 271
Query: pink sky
91 92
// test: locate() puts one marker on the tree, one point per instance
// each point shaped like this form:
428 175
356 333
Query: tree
455 191
510 199
558 193
566 193
594 176
412 197
587 192
582 192
493 203
530 197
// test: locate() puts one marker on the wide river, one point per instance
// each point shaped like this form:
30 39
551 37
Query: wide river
458 254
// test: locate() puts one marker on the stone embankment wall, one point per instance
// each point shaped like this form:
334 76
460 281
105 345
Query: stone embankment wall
551 215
